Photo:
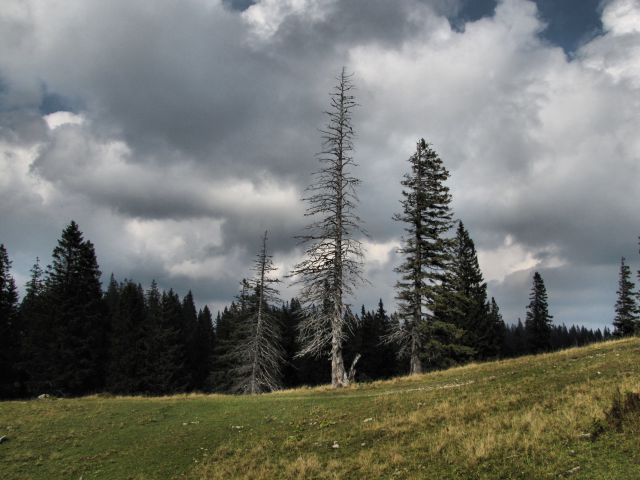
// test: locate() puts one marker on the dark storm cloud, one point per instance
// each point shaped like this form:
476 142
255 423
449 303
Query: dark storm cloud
190 87
198 122
24 127
198 93
199 88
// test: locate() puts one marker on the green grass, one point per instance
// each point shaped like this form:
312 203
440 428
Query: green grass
548 416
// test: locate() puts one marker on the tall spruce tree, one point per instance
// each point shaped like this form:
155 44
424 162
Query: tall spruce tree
10 334
333 259
464 295
626 318
259 356
73 356
538 322
427 217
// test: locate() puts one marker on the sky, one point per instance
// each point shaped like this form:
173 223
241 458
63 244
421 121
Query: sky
176 132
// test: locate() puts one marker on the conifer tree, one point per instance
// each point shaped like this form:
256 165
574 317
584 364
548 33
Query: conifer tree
538 321
189 326
126 341
515 343
427 216
464 295
626 308
112 296
299 370
637 299
171 343
258 356
35 286
378 357
443 344
10 335
203 344
34 315
289 318
495 333
387 352
226 329
163 347
333 258
73 356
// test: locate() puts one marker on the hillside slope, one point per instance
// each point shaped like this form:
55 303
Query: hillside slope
533 417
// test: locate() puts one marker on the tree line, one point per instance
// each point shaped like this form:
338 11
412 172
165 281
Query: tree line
66 336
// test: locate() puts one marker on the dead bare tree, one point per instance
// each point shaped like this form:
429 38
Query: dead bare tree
258 355
333 258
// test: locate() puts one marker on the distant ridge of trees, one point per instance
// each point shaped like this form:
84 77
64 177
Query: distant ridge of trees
69 337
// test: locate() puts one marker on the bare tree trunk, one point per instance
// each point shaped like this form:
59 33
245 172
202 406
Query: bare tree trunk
352 369
253 386
415 365
338 372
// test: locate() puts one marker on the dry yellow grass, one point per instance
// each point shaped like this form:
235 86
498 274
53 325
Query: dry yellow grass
526 411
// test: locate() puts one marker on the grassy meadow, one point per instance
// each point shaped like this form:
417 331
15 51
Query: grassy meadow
557 415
